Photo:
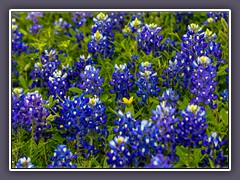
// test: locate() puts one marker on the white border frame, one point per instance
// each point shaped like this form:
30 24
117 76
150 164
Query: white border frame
109 10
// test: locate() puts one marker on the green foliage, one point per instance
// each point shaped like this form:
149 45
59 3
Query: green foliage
40 152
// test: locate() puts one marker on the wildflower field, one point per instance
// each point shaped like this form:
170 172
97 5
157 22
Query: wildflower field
119 90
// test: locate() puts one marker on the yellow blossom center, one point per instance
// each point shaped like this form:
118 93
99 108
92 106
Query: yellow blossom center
203 59
210 20
126 29
208 32
92 101
193 108
98 36
146 63
101 16
136 22
120 140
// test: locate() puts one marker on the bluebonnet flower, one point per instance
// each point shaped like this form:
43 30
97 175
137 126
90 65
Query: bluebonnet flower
34 28
24 162
168 45
42 71
80 18
118 20
82 119
182 17
79 66
135 142
216 16
213 149
99 45
147 82
171 75
62 158
15 72
224 95
135 25
165 121
102 37
58 84
122 82
203 83
192 128
196 65
170 97
62 26
29 114
33 16
18 46
131 64
149 39
17 103
160 162
226 76
91 81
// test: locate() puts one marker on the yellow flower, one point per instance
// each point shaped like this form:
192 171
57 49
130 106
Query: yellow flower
128 101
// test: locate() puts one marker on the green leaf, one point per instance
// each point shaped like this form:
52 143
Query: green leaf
224 24
224 116
23 82
76 90
130 108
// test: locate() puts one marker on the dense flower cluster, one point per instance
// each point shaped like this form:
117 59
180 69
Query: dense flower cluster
214 151
170 97
122 82
184 17
203 83
149 39
33 16
102 37
79 18
192 129
43 73
62 26
147 82
62 158
196 65
118 20
83 119
24 162
165 119
18 46
156 108
216 16
58 84
91 82
29 114
134 143
79 66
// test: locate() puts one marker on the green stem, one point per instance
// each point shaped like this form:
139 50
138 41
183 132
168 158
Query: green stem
32 138
189 154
